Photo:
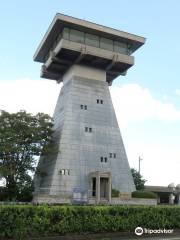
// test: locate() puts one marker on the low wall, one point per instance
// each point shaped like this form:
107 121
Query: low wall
91 201
50 199
134 201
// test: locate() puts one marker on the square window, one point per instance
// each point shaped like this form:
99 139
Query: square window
101 159
97 100
110 155
62 172
85 107
101 101
105 159
86 129
114 155
81 106
90 129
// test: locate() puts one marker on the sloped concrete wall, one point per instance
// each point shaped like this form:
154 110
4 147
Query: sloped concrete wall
80 151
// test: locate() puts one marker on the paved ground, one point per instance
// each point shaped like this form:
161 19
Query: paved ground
115 236
111 238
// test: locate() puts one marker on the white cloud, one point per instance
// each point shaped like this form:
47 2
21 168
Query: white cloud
133 104
160 164
136 104
177 92
30 95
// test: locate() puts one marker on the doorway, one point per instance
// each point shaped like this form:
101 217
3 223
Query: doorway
93 186
104 188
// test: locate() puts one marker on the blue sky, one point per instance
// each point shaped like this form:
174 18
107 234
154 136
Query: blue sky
150 90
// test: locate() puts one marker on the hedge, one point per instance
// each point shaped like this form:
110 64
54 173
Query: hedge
143 194
22 222
115 193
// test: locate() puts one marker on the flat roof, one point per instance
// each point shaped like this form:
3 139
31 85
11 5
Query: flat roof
60 21
158 189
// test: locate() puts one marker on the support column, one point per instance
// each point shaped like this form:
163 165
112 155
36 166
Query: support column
109 188
178 198
171 198
158 199
98 187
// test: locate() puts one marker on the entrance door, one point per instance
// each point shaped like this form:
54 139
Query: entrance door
93 186
104 188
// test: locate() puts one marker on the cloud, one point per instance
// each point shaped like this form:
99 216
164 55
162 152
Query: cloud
132 103
177 92
135 104
160 164
30 95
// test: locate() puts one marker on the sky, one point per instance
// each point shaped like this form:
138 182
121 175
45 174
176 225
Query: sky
146 100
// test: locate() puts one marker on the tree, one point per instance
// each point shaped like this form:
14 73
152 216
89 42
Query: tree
23 137
138 179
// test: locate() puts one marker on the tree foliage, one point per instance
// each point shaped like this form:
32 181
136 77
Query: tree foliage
138 179
23 137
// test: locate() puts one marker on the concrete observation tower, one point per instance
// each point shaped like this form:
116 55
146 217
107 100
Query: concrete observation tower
91 158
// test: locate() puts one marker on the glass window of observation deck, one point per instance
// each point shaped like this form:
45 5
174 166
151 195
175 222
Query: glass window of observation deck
120 47
76 36
106 44
92 40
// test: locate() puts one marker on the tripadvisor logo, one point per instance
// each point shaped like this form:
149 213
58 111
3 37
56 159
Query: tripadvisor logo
139 231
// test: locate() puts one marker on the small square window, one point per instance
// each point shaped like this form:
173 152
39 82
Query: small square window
110 155
97 100
114 155
81 106
62 172
90 129
105 159
101 101
85 107
101 159
86 129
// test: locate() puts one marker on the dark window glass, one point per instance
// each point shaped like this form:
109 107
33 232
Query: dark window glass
62 172
105 159
101 159
93 187
81 106
101 101
86 129
97 100
90 129
114 155
91 40
85 107
110 155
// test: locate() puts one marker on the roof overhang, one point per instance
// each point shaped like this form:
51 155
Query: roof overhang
60 21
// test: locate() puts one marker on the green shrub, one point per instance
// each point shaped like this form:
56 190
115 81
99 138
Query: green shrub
24 222
143 194
115 193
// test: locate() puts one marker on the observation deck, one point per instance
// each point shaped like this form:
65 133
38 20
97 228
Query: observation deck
70 41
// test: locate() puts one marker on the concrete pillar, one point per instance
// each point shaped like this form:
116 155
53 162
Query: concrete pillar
98 187
171 198
109 188
178 198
